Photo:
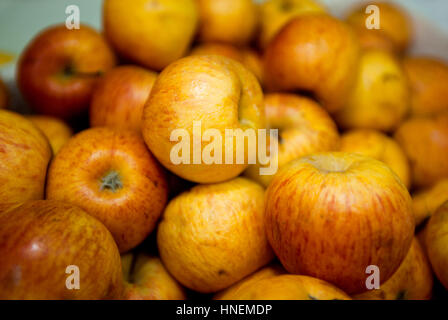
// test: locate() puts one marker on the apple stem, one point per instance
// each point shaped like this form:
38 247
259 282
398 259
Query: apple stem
111 181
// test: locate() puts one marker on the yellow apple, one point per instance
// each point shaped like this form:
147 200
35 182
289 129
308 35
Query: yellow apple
314 53
210 92
426 201
412 281
377 145
152 33
214 235
332 215
380 99
276 13
56 130
304 128
227 21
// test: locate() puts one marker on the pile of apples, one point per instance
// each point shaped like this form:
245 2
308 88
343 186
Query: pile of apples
362 126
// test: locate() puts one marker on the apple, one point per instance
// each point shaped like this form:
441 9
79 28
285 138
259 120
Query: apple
426 201
304 128
112 175
41 241
428 79
425 142
227 21
380 98
277 13
267 272
317 54
4 95
289 287
357 200
24 157
393 21
436 240
213 235
248 57
213 92
412 281
119 97
56 130
58 70
152 33
149 280
373 39
377 145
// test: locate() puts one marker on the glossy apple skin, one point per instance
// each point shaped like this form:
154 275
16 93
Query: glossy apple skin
428 79
436 243
395 23
426 201
377 145
215 90
304 128
60 67
275 14
39 239
289 287
151 33
24 157
227 21
56 130
213 235
120 96
380 98
412 281
315 53
151 281
83 171
4 95
357 200
267 272
425 142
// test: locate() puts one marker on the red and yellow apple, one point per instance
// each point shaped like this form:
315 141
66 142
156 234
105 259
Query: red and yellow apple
288 287
191 96
425 142
58 70
41 239
149 280
112 175
227 21
277 13
4 95
56 130
372 39
304 128
119 98
377 145
412 281
380 98
436 243
394 22
314 53
152 33
331 215
214 235
425 202
428 79
24 157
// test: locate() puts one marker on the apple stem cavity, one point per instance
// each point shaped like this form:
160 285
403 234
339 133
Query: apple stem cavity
69 71
111 181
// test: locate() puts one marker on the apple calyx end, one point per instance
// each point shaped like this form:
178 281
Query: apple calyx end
111 181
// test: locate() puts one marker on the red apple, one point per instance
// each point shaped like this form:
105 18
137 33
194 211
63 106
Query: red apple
4 95
113 176
24 157
60 67
332 215
40 239
120 96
